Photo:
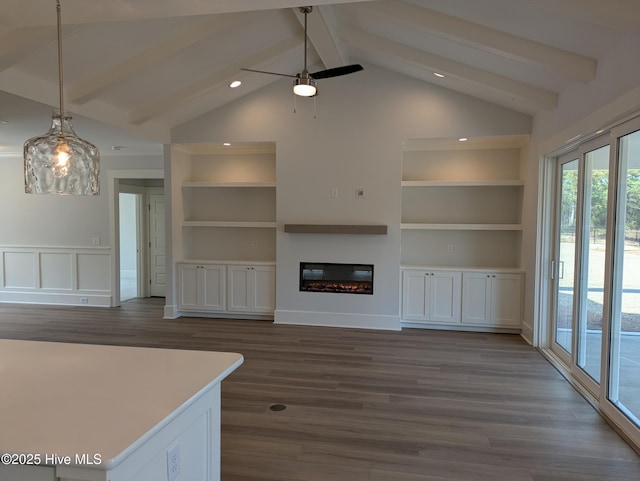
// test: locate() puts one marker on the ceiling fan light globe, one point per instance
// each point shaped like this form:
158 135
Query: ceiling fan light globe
304 87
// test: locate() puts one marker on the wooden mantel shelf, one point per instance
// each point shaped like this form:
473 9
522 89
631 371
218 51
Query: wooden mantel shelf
358 229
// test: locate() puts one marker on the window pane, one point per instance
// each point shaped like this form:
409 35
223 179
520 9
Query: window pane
624 385
594 224
566 255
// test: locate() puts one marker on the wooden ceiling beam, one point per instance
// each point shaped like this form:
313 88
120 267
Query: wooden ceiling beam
376 46
618 15
321 30
91 87
570 65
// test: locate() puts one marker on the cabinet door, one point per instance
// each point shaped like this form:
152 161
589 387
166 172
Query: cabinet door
445 296
264 289
415 295
476 298
506 300
212 282
188 286
240 286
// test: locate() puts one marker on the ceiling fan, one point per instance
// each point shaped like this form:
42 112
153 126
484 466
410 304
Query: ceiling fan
305 83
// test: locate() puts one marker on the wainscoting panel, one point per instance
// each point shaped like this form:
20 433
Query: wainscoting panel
18 270
93 272
56 270
56 275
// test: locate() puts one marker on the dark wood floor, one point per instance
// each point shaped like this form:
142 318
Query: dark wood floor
369 405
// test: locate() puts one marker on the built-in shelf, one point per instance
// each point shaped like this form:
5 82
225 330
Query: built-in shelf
359 229
227 184
463 183
421 226
207 223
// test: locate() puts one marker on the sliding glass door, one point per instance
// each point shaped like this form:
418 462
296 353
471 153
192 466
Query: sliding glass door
579 265
591 303
594 282
624 356
565 253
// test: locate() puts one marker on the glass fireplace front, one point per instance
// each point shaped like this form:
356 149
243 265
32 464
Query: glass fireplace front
337 278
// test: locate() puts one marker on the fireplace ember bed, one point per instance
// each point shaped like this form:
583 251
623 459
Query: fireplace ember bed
336 278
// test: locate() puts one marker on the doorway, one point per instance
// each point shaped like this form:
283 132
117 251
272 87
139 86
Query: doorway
141 238
130 245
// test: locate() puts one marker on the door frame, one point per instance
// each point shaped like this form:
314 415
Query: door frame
113 187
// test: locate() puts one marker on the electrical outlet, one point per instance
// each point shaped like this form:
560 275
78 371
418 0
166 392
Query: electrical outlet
95 241
254 244
334 192
173 461
84 300
450 248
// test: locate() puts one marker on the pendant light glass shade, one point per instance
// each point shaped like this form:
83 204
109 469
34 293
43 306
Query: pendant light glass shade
60 162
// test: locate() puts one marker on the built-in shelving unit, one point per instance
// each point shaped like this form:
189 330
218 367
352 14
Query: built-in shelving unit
225 229
461 233
228 199
462 202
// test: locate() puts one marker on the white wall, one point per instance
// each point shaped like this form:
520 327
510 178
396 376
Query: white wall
51 237
353 141
54 220
582 110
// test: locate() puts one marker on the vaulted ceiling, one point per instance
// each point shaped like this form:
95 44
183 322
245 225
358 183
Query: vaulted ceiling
149 65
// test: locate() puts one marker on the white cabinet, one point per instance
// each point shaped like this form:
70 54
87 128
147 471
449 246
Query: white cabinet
201 287
431 295
492 299
251 288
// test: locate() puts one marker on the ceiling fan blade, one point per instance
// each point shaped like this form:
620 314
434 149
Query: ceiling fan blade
336 72
270 73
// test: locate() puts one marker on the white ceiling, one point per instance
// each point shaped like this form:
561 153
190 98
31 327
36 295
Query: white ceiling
145 66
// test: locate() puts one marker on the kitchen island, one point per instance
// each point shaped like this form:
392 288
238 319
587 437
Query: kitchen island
78 412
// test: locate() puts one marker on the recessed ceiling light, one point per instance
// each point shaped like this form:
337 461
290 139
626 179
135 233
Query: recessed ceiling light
438 74
235 83
226 144
462 139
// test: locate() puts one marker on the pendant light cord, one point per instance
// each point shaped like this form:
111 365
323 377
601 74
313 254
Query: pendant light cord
60 73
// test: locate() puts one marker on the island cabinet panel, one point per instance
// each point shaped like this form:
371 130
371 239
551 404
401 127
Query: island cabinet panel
27 473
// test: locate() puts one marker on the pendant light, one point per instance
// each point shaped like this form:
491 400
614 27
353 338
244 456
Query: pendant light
60 162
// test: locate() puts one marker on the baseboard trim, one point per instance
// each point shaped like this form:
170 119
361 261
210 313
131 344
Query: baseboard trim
57 299
456 327
337 319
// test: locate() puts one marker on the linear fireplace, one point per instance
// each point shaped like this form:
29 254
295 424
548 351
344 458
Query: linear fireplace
337 278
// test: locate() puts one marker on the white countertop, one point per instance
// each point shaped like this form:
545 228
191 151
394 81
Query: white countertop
64 399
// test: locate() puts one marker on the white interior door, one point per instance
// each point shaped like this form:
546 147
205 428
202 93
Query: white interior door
157 245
